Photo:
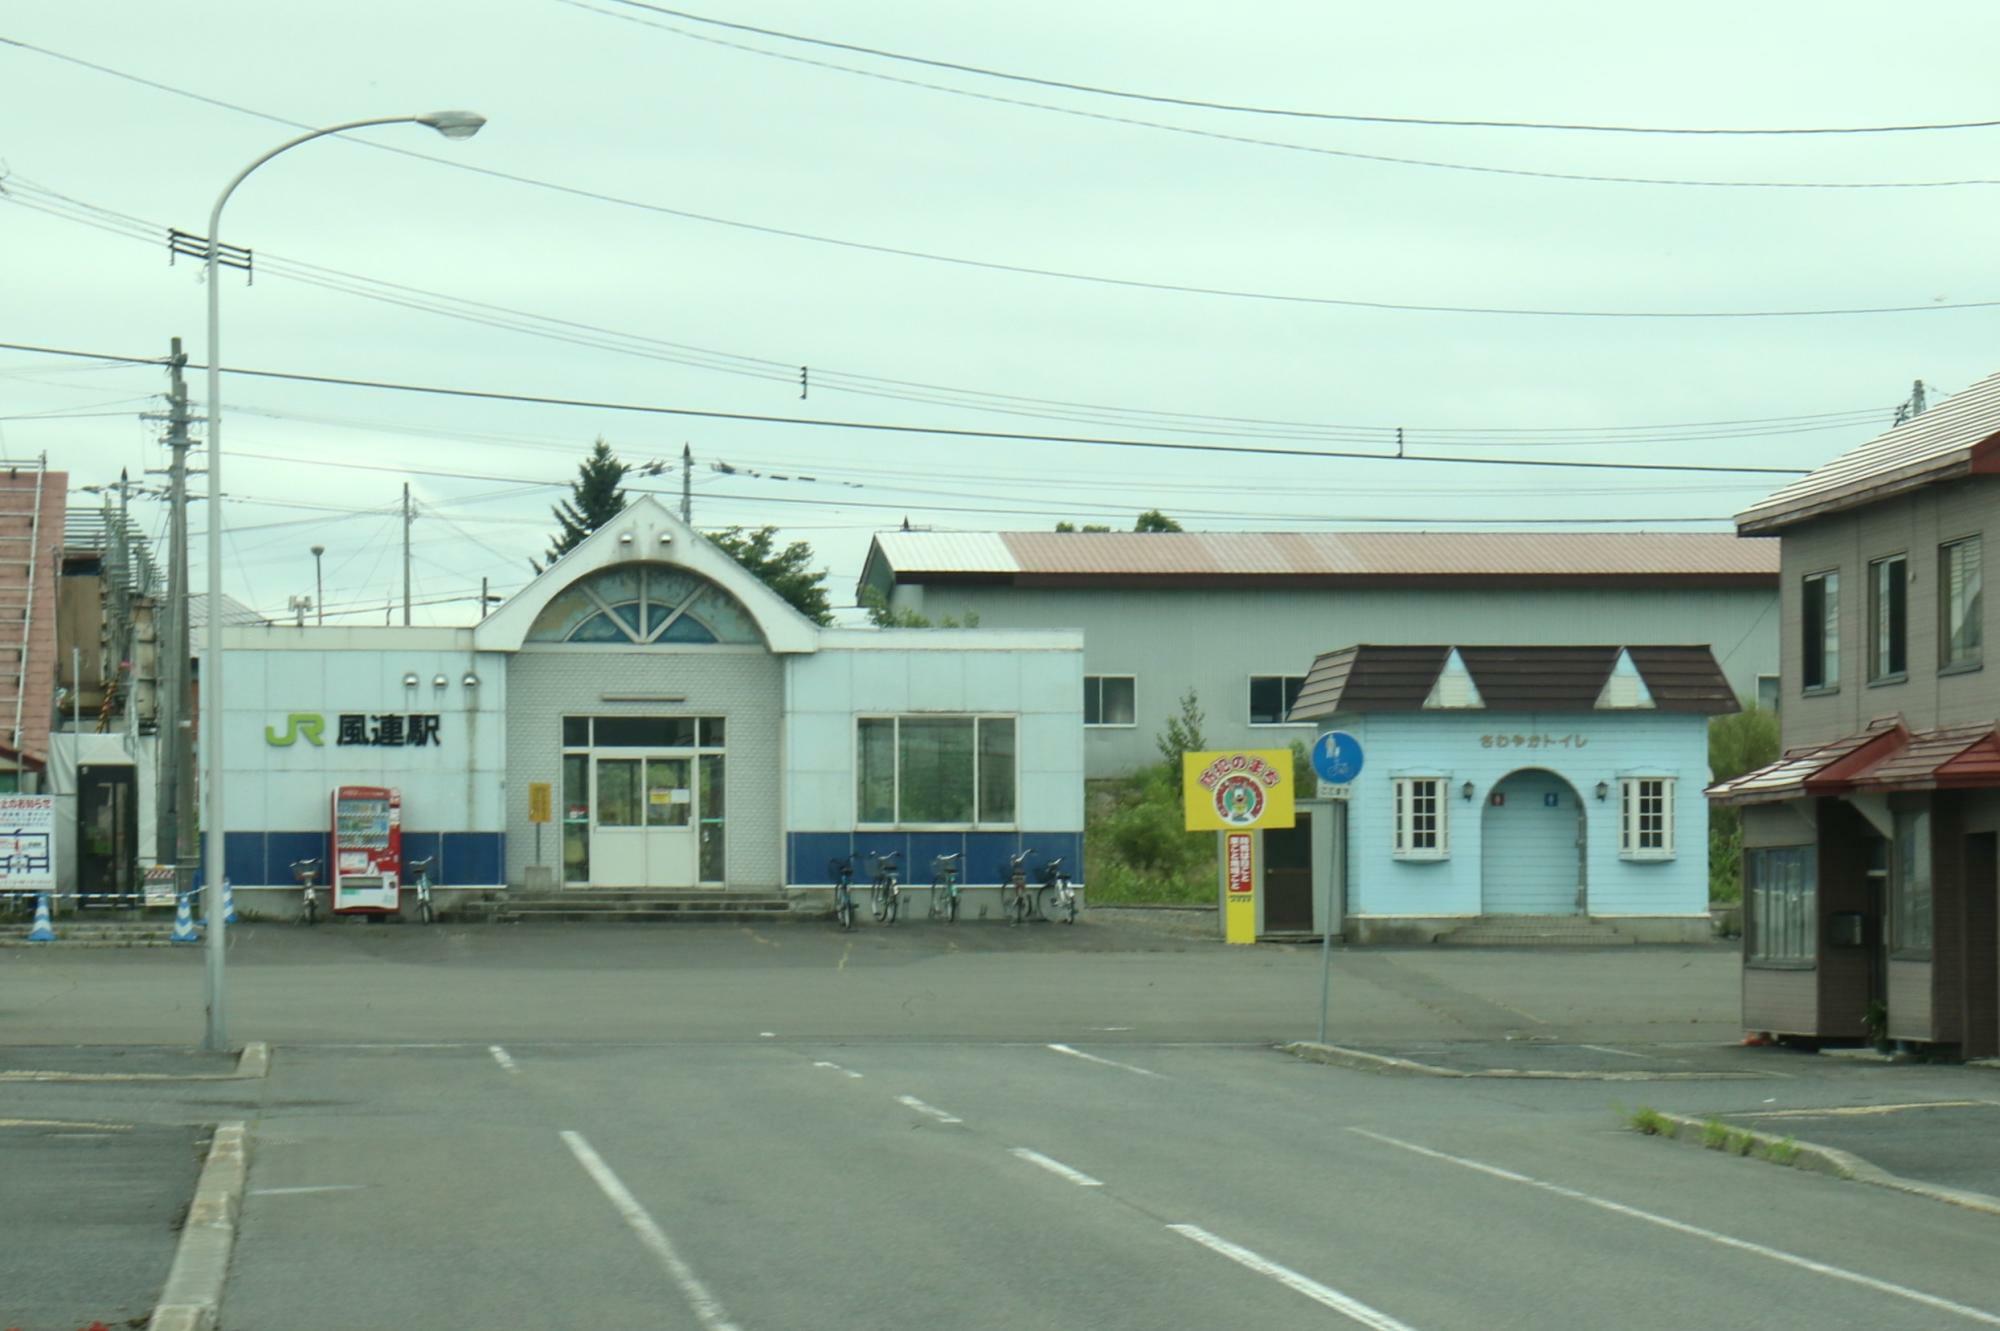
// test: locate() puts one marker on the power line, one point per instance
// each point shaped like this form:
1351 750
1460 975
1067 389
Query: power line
1286 112
1031 270
1251 141
945 432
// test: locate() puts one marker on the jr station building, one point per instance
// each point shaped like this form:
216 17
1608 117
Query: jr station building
646 714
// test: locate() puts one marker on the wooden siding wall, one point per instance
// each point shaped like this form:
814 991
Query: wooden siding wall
1910 1006
1980 923
1843 886
1782 1001
1915 525
1948 940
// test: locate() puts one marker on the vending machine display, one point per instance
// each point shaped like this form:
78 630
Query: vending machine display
367 850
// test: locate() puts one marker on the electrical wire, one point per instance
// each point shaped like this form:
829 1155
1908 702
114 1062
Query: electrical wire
1032 270
1291 113
1251 141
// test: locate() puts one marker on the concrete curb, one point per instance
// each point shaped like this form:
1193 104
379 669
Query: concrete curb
1339 1056
253 1064
192 1299
1827 1160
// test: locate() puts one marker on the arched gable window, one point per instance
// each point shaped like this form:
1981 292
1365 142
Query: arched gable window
643 604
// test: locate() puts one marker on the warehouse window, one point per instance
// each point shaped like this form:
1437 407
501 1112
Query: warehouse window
935 771
1272 696
1110 700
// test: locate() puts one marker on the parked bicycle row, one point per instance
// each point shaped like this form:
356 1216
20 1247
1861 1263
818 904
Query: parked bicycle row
1051 898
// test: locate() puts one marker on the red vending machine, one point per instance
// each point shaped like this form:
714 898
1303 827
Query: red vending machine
367 850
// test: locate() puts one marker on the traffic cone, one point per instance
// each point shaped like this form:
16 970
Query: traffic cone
228 903
184 930
44 931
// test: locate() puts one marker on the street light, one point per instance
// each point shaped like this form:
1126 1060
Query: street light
319 588
453 125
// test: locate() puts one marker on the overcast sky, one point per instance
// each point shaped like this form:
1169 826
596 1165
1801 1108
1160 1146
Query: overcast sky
587 97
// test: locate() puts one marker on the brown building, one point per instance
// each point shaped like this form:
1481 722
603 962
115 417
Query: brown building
31 538
1872 847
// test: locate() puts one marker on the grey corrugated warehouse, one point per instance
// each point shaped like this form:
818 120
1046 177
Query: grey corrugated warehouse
1239 616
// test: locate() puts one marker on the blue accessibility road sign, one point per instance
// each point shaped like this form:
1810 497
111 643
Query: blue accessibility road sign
1337 757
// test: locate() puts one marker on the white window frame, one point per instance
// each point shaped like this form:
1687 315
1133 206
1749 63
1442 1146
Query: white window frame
1403 842
1250 682
1631 815
896 753
1112 725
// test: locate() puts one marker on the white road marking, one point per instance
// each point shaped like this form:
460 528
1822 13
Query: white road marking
1607 1049
1111 1028
923 1108
1856 1111
1107 1062
63 1123
317 1187
1979 1315
502 1057
707 1308
1056 1167
822 1063
1292 1280
767 1035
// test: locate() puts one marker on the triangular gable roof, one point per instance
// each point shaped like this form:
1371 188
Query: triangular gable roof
646 531
1624 688
1396 678
1453 688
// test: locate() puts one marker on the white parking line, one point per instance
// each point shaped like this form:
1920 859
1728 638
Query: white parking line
1107 1062
1292 1280
1056 1167
822 1063
502 1057
707 1308
317 1187
923 1108
1972 1314
1607 1049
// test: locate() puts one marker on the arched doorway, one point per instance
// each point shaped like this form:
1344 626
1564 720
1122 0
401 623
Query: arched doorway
1531 847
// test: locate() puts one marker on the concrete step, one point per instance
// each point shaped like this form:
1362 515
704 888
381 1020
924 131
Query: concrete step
1535 931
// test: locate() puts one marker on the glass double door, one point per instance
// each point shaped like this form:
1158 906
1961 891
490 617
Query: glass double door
645 829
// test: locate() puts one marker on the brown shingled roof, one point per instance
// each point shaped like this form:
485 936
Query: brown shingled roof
1377 678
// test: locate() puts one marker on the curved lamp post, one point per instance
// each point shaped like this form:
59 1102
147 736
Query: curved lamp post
453 125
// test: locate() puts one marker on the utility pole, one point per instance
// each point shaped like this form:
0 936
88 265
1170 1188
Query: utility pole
687 484
406 554
177 828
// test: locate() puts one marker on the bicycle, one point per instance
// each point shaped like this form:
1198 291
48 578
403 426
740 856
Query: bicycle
1056 898
842 873
422 869
944 878
885 897
306 871
1014 887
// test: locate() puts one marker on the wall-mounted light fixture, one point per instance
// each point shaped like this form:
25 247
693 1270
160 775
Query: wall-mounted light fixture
439 681
1603 789
624 538
666 538
410 679
471 680
1467 791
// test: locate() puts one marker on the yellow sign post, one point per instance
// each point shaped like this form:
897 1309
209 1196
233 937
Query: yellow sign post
1236 792
541 802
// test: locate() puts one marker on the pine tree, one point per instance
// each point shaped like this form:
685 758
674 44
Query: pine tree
594 499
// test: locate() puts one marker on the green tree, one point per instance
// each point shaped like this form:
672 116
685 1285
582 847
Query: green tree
1154 520
1737 744
787 571
1182 735
885 616
594 499
1088 526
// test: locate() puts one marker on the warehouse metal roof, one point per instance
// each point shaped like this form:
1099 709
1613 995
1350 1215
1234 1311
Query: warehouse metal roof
1958 437
1211 558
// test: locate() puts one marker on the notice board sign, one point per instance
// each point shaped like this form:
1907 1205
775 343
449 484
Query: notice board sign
1232 790
541 801
1239 887
27 843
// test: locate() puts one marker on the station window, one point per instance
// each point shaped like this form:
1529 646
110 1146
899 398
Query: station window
1646 817
1272 696
932 770
1110 700
1422 813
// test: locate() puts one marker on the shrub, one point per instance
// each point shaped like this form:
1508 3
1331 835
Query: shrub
1736 744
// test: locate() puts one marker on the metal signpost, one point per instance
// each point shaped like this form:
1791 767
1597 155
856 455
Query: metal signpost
1336 759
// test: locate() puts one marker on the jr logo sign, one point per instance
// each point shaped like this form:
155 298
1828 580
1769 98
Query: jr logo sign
309 726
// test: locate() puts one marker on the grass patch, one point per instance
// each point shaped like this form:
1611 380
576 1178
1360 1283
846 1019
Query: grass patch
1715 1134
1741 1143
1651 1122
1784 1152
1135 849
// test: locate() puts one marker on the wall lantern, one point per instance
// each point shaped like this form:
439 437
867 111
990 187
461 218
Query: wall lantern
1466 790
625 538
410 680
439 681
1603 789
471 680
666 538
